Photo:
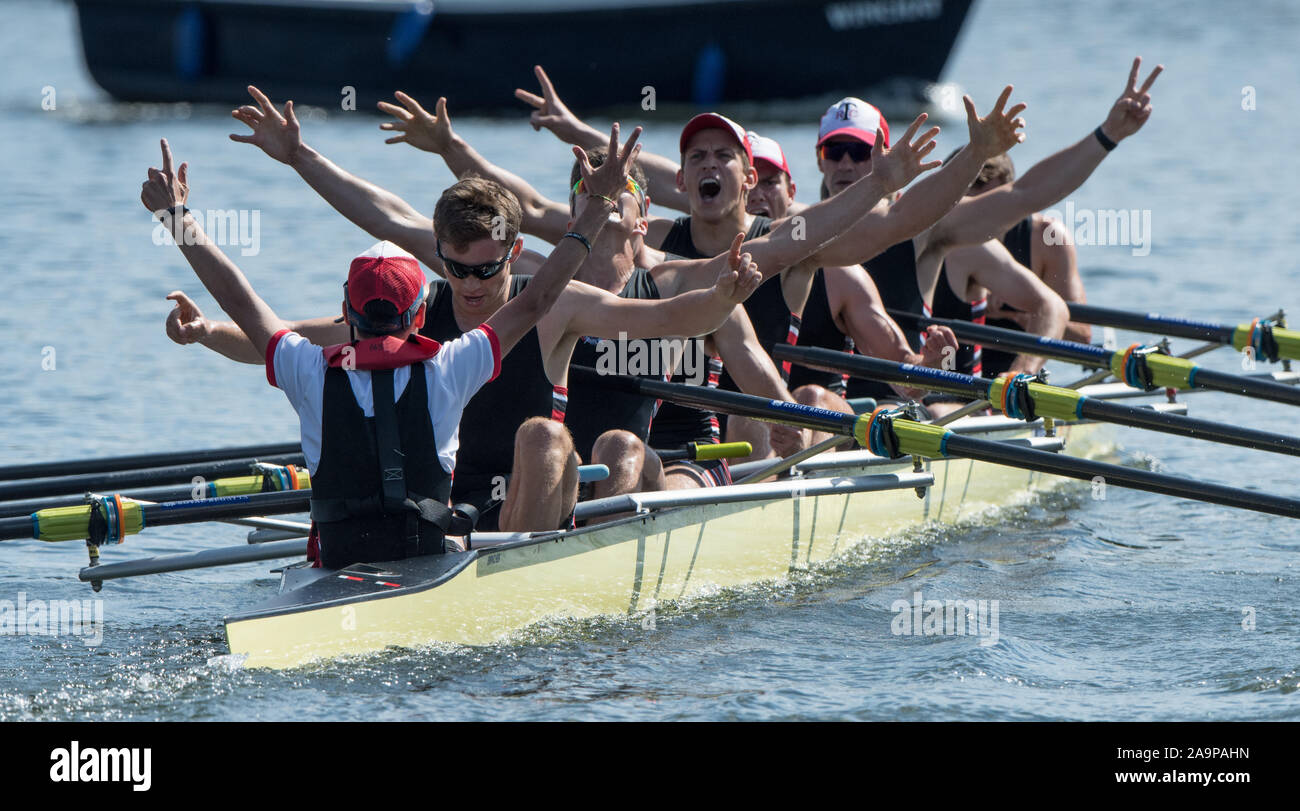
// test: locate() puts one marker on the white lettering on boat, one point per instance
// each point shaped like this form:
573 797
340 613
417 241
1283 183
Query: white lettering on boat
868 13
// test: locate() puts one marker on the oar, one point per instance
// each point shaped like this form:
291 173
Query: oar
226 556
232 486
109 464
121 480
1134 366
703 451
891 434
74 523
1027 399
1269 340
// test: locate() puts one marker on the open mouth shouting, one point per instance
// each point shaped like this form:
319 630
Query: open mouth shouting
710 188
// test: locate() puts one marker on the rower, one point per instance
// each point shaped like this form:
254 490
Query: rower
907 272
844 308
380 414
1044 246
543 482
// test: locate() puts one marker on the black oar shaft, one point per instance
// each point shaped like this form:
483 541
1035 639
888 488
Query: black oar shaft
1085 354
1249 386
730 402
108 464
1090 408
1087 469
119 480
1180 425
1151 322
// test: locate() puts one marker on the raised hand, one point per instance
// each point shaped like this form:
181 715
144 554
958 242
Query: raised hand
185 323
276 133
610 179
740 278
432 133
1132 109
896 167
165 189
550 112
998 131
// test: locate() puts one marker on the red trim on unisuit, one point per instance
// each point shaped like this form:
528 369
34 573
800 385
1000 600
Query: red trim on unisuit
496 350
270 356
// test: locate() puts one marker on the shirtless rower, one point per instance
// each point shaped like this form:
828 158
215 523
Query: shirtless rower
383 497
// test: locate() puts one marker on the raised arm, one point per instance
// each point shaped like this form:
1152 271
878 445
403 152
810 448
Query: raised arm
934 197
378 212
543 217
550 112
606 185
595 312
165 194
187 325
989 215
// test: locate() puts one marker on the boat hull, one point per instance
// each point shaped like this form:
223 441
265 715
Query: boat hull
483 596
600 54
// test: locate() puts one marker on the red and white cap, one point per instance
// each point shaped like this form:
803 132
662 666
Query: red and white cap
386 273
852 116
768 151
713 121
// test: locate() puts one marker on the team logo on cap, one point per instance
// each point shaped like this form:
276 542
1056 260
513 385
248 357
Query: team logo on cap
848 111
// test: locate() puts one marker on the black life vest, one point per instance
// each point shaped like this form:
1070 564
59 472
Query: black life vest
379 492
1018 242
593 410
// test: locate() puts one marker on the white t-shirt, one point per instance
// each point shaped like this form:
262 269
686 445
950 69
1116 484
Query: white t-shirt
297 367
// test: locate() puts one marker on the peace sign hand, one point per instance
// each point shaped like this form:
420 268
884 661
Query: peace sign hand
1132 109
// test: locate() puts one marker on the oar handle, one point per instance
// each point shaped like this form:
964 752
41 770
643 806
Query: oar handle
1085 354
704 451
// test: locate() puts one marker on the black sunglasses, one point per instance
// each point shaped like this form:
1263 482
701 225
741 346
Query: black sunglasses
857 150
484 271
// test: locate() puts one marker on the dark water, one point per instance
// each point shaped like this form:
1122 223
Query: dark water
1127 608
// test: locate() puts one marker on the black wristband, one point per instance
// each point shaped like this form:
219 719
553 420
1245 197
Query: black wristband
575 235
178 217
1106 143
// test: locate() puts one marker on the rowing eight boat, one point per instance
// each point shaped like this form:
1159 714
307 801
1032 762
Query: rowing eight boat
711 538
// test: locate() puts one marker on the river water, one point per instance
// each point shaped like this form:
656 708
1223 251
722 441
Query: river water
1135 607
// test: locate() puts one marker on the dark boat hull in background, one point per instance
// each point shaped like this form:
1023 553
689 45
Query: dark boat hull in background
476 52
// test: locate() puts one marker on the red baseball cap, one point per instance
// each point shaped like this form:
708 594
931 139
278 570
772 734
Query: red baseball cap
713 121
385 273
768 151
852 116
